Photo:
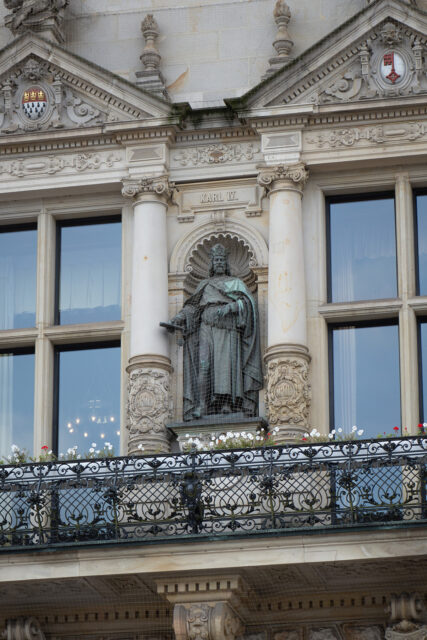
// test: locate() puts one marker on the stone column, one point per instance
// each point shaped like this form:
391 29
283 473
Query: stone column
23 629
149 399
406 618
205 607
286 357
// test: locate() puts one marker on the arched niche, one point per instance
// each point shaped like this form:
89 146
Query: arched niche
247 251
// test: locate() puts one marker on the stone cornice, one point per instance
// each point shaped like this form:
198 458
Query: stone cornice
293 176
157 186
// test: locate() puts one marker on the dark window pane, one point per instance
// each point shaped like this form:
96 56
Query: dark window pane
366 379
89 399
16 402
18 258
90 273
422 243
362 250
423 331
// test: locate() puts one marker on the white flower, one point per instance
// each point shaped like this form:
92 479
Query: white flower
333 432
14 448
331 435
211 444
91 450
141 447
93 444
229 434
187 435
98 452
354 428
258 438
250 436
425 424
313 432
360 432
50 452
61 455
339 430
70 451
222 437
276 429
306 435
212 438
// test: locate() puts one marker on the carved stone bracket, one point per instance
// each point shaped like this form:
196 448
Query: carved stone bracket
288 394
149 407
293 176
201 621
158 186
407 612
23 629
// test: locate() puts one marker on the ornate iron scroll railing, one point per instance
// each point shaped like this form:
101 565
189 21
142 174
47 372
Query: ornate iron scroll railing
276 490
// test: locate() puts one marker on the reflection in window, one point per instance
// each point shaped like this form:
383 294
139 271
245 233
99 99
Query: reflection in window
18 256
362 250
423 390
88 398
366 386
16 401
422 244
90 272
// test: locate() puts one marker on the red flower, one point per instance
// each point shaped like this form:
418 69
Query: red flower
420 426
45 447
303 438
395 428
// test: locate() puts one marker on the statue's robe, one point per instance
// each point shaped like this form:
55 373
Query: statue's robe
226 347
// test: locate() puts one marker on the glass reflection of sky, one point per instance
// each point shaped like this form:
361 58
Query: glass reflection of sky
18 268
17 402
90 273
422 243
363 250
366 379
89 399
423 328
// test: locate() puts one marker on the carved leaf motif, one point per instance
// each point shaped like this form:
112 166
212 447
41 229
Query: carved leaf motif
216 154
288 391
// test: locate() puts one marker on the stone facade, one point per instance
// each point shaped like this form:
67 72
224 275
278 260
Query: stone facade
162 118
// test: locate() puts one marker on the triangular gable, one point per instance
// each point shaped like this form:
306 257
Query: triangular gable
45 87
378 53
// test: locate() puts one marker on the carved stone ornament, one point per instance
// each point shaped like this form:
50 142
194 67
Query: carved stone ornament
406 612
149 409
216 154
23 629
151 78
356 632
206 622
42 16
157 186
288 391
295 175
34 97
282 43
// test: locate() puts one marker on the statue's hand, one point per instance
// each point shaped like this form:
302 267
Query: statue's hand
225 310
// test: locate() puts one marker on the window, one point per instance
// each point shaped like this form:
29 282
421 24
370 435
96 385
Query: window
18 260
365 374
362 249
16 400
89 282
60 331
421 242
423 370
88 392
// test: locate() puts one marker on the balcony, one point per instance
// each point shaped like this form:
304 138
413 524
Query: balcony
280 491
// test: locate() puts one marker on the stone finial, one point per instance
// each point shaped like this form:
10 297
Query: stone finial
283 43
151 77
41 16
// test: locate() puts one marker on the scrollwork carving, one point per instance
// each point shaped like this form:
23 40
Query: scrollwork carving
23 629
288 391
216 154
199 621
149 409
295 174
406 617
158 185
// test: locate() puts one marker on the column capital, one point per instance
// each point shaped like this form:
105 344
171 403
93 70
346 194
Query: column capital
283 177
23 629
147 188
406 617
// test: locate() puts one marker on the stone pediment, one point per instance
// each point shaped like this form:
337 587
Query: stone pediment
380 53
47 88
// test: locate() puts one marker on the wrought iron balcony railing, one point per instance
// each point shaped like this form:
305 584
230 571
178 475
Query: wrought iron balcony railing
275 490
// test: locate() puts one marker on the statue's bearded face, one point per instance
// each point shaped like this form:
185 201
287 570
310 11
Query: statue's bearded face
219 265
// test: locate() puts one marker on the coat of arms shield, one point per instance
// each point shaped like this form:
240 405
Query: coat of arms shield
34 102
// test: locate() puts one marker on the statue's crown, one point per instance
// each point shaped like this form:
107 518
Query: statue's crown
218 250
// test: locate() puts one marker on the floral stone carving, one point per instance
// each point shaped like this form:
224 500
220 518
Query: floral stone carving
288 391
149 409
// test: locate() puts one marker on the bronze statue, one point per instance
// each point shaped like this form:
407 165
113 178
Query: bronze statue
222 360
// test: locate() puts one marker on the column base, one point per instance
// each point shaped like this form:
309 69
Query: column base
288 391
149 405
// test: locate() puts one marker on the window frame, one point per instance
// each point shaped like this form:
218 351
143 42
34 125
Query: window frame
337 199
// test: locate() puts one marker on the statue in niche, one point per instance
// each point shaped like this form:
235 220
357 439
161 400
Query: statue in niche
222 358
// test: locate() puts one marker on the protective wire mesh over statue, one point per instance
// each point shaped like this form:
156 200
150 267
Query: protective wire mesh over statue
222 359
